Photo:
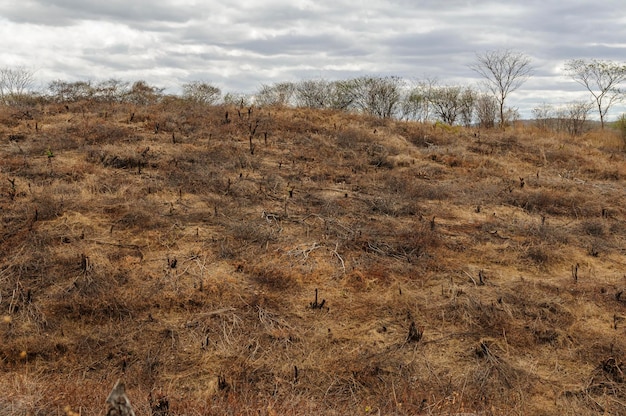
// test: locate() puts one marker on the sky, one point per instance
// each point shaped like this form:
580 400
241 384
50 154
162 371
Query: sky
240 45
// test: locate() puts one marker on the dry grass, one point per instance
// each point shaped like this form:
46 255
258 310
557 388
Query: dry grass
457 272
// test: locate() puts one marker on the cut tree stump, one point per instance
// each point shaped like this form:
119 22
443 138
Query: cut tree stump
118 402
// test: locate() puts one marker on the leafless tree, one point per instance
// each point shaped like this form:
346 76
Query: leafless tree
543 115
280 93
601 78
377 96
411 104
467 108
382 96
15 83
237 99
314 93
201 92
344 95
142 93
511 115
576 114
415 103
504 71
64 91
111 90
486 111
570 117
446 103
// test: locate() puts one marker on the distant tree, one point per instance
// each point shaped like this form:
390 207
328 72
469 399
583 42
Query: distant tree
415 102
411 104
381 96
601 78
64 91
575 114
377 96
511 115
446 103
111 90
486 111
280 93
344 95
467 108
570 117
142 93
314 93
543 115
201 92
15 83
504 71
237 99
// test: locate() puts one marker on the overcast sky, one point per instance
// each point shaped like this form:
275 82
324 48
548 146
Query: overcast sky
242 44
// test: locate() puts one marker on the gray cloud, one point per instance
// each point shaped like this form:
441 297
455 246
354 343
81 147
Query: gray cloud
241 45
65 12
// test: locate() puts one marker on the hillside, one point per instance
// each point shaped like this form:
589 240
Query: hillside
279 261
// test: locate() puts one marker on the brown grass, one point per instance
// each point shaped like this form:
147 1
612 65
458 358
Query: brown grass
185 259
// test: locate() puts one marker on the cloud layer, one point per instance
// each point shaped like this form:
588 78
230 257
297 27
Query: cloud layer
241 45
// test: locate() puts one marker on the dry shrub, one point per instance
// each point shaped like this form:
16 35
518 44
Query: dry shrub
607 140
353 138
594 228
101 133
385 206
274 278
482 319
139 218
496 379
538 255
251 232
48 206
553 202
118 162
24 394
417 135
604 391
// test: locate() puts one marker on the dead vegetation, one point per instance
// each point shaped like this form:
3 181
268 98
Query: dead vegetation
225 260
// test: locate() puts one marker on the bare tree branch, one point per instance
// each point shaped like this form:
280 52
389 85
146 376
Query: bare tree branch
602 79
504 71
15 83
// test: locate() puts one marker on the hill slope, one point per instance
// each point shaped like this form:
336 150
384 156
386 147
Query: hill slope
289 261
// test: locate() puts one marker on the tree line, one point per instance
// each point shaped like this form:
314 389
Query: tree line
485 105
